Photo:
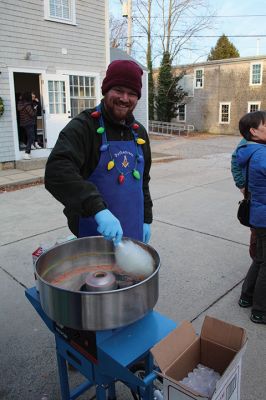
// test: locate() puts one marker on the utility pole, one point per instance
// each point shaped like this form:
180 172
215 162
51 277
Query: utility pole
127 12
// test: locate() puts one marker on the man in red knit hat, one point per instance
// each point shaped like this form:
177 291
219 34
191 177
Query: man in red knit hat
99 168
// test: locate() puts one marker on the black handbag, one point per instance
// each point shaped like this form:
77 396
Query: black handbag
243 211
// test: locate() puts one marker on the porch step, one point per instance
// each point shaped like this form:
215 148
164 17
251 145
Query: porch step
29 165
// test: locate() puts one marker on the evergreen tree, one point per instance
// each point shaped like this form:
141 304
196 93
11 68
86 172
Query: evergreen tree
169 95
223 49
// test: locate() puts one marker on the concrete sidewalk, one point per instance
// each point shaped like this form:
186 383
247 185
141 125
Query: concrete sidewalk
165 148
13 178
202 247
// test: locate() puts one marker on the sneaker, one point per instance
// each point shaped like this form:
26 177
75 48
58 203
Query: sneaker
37 146
27 156
258 318
244 303
33 147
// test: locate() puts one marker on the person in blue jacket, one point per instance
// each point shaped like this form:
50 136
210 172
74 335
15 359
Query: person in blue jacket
240 179
252 127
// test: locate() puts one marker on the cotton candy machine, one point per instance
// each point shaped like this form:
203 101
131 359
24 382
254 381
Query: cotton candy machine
82 288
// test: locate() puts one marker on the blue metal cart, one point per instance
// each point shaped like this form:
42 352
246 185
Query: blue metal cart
105 357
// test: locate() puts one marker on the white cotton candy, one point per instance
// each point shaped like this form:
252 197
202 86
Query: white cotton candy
133 259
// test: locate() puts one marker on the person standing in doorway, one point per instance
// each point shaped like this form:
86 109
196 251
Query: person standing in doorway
35 102
27 113
21 132
99 168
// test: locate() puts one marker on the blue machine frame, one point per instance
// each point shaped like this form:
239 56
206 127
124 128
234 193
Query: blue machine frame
117 351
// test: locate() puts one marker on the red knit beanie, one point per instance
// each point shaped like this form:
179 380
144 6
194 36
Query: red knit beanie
123 73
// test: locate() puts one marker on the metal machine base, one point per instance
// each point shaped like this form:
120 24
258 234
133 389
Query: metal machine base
113 354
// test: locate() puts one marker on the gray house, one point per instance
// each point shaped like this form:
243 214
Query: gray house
220 92
60 51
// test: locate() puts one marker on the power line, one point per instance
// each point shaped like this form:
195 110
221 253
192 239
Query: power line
227 16
206 16
200 36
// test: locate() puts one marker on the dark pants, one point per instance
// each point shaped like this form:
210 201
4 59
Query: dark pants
254 286
30 137
252 243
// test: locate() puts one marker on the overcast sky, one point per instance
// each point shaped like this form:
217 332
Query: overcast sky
234 18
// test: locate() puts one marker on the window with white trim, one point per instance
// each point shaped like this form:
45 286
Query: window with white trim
181 116
256 74
224 113
57 97
82 93
253 106
199 78
60 11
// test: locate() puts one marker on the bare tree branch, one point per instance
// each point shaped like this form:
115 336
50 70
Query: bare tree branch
118 31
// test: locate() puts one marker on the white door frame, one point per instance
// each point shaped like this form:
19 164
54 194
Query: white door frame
54 122
19 153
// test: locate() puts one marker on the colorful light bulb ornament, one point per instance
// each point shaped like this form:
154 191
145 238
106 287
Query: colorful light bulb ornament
121 179
100 130
136 174
139 158
141 141
96 114
110 165
106 146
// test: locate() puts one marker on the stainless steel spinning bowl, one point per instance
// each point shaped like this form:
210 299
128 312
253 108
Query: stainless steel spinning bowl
62 270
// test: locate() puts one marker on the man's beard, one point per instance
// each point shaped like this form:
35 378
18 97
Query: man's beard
115 115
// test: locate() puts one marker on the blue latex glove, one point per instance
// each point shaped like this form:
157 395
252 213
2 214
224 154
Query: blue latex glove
109 226
146 233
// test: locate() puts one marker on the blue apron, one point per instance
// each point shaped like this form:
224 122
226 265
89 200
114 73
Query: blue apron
124 200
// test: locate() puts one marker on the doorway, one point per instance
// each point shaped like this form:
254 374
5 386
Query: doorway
28 82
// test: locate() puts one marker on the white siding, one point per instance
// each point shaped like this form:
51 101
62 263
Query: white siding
141 111
23 29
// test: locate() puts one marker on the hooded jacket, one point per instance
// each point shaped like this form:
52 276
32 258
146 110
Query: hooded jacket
256 153
236 170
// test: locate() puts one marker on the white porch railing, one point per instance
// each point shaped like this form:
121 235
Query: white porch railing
170 128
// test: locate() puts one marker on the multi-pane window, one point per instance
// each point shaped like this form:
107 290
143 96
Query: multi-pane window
57 97
253 106
82 93
224 117
256 74
181 116
199 78
60 11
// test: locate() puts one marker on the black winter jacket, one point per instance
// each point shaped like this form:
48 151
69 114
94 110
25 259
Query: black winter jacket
75 156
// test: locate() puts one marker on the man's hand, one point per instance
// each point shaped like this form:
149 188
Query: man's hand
109 226
146 233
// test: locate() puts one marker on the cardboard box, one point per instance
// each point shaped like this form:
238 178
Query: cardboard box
220 346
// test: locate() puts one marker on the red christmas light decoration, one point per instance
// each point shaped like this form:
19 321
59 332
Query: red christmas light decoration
121 179
95 114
